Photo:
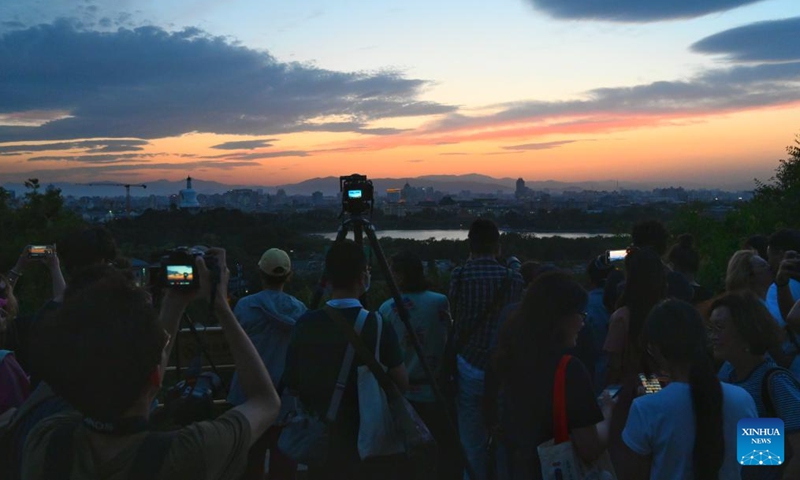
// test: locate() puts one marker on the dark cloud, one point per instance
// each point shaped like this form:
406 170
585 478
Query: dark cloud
772 41
95 170
538 146
93 158
634 10
245 144
149 83
96 146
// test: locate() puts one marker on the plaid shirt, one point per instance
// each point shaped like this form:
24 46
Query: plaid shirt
472 293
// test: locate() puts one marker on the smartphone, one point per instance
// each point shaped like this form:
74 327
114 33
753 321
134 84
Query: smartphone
650 384
40 251
180 276
613 390
615 255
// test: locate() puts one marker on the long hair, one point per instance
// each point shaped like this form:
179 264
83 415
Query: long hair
677 329
645 286
9 307
533 329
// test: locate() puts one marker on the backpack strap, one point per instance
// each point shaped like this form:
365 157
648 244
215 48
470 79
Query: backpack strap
560 425
766 381
347 363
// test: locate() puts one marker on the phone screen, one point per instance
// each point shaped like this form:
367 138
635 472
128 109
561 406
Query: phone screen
616 255
650 384
180 275
40 250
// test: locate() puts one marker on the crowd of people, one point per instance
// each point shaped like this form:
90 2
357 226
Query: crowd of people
640 364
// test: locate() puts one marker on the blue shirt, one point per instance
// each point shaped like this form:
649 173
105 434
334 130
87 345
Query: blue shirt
429 315
784 394
268 318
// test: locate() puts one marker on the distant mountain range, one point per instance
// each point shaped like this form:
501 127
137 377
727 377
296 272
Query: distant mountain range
475 183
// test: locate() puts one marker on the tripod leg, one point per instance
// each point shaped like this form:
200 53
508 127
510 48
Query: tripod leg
401 310
323 279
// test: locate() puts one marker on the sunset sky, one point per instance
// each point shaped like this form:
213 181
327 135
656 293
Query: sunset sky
258 92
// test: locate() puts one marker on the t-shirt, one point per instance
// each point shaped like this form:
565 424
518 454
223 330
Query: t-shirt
214 449
429 315
782 392
313 361
662 425
527 413
772 299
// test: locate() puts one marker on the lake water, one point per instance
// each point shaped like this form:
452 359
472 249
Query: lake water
461 234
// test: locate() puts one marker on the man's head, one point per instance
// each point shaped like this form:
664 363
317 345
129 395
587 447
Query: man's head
650 234
409 272
781 242
346 266
89 247
484 237
275 268
103 351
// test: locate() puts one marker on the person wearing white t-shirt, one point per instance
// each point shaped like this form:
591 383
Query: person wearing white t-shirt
663 438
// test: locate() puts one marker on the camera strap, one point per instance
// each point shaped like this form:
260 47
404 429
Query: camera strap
123 426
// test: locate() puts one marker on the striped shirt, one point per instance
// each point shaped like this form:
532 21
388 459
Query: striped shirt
783 392
472 292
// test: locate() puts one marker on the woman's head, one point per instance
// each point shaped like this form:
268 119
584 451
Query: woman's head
748 271
677 339
409 272
741 325
645 286
676 335
683 257
552 310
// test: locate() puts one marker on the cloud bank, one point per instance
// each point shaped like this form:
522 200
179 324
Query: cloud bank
149 83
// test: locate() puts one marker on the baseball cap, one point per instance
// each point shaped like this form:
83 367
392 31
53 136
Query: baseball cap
275 262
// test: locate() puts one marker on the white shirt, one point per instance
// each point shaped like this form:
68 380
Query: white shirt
663 425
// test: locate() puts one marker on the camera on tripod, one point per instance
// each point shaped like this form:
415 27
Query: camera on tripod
358 194
178 267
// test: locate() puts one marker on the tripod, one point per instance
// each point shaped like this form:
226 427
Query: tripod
361 226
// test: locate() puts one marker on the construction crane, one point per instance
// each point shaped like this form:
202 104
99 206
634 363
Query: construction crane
127 192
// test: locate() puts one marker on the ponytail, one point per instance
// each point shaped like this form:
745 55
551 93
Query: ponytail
677 329
709 443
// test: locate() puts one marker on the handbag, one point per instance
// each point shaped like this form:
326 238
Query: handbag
419 445
557 456
305 437
377 434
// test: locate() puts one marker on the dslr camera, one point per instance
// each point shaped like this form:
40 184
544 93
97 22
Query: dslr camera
178 267
358 194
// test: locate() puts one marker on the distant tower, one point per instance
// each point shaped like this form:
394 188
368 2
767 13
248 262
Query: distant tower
521 190
188 197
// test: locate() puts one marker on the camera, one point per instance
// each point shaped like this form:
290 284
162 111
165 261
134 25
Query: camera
358 194
178 267
40 251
